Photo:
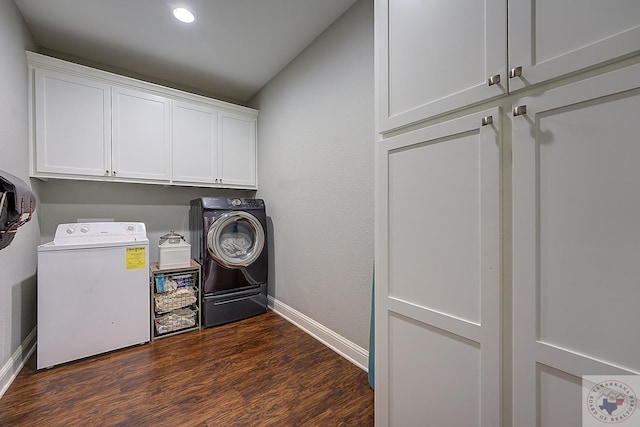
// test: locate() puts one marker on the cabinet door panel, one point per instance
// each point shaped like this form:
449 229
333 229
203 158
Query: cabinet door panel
237 150
427 66
438 275
72 125
551 38
195 143
424 356
141 138
576 226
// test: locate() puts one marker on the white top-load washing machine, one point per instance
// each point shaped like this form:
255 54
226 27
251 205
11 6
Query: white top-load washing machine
93 291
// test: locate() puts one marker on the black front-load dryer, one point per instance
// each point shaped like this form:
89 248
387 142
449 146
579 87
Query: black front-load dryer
229 240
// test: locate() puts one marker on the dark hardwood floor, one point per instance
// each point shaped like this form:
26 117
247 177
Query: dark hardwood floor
261 371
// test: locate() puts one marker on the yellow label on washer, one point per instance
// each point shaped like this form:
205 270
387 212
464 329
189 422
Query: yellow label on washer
136 257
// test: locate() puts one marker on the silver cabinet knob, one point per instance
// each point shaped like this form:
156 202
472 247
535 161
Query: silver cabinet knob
519 110
487 120
515 72
494 80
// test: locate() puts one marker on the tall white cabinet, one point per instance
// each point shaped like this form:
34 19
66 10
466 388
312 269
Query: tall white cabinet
507 208
576 243
438 275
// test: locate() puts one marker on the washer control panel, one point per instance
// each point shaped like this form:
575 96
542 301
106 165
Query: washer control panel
106 231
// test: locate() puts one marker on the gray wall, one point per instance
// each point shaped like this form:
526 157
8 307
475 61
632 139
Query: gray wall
18 260
161 208
316 141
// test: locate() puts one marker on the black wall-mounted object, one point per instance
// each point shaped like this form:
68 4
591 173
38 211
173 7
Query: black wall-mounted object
17 204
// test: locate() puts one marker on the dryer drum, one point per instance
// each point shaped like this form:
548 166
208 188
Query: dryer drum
236 239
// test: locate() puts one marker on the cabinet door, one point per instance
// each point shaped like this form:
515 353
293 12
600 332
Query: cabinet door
141 137
194 143
437 286
72 125
576 251
237 150
551 38
437 56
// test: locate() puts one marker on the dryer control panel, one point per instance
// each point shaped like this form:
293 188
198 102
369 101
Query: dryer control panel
246 203
208 203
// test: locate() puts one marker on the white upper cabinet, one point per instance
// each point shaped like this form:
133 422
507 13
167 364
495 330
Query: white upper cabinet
437 56
237 150
195 143
88 124
551 38
141 138
72 121
213 147
434 57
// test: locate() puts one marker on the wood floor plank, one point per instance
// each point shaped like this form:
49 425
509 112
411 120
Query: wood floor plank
261 371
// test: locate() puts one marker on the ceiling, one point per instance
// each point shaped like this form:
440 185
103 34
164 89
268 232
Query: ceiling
231 50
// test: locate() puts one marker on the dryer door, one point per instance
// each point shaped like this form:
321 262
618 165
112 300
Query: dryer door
236 239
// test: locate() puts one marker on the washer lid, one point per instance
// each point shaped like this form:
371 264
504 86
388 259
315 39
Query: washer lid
236 239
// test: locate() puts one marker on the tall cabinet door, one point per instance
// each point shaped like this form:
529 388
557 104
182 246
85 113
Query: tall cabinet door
576 243
426 66
551 38
141 135
437 290
195 143
72 125
237 150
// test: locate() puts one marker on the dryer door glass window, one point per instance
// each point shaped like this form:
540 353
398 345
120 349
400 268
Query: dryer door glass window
236 239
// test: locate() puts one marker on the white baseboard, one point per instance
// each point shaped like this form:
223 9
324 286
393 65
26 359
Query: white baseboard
12 368
350 351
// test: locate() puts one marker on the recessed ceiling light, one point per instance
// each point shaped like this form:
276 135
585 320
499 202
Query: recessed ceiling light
183 15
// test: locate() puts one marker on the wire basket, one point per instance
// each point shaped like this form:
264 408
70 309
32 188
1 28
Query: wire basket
172 300
172 281
179 319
